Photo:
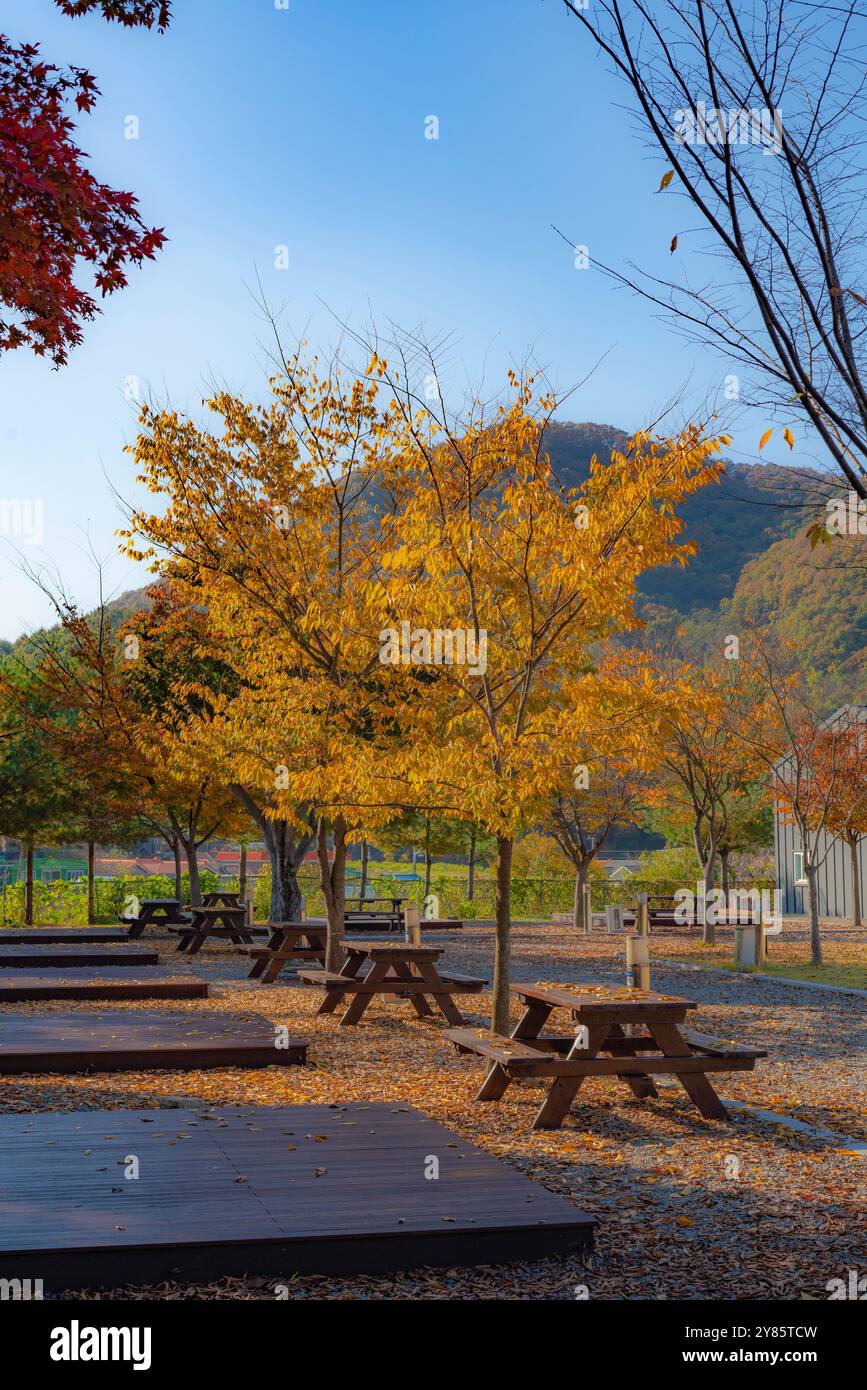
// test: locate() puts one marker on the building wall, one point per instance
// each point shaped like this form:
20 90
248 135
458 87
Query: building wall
835 877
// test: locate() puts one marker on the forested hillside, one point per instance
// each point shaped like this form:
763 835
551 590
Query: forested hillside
753 563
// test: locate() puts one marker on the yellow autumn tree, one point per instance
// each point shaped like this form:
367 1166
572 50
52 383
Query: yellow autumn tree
497 588
271 519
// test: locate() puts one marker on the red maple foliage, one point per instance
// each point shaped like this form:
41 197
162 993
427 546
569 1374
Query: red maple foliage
129 12
54 215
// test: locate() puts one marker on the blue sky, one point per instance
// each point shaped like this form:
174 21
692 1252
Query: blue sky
306 128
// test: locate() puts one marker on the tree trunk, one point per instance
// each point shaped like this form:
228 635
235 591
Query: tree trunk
362 890
427 856
91 886
471 867
179 877
503 923
242 872
286 850
192 853
708 865
856 880
332 878
28 886
709 928
724 874
813 900
579 916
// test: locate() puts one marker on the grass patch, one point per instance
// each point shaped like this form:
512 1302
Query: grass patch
855 976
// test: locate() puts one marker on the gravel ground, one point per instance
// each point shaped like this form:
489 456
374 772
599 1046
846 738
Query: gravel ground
687 1208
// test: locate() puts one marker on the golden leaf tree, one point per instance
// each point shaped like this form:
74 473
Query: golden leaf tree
271 520
497 588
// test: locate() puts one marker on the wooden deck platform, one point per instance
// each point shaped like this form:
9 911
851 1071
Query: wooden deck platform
73 957
62 936
149 983
138 1040
260 1191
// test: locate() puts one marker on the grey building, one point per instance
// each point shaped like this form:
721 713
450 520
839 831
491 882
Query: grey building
835 873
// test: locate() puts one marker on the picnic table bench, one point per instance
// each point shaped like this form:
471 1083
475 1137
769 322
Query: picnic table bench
225 922
157 912
601 1014
398 969
288 941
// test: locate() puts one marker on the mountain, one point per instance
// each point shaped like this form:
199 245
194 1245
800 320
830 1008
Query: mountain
817 600
732 524
753 562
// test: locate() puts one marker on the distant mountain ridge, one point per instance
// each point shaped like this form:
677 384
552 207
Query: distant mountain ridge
753 562
732 524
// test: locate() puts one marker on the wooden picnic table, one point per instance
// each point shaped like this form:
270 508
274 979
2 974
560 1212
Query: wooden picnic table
356 916
157 912
288 941
655 1045
397 969
221 898
202 922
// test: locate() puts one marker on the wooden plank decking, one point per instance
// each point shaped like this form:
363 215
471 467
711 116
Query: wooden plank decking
73 957
270 1190
62 936
139 1040
151 982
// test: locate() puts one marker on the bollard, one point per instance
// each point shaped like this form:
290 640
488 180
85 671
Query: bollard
761 940
613 918
642 915
411 925
637 962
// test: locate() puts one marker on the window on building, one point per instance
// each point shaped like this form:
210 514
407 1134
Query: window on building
800 877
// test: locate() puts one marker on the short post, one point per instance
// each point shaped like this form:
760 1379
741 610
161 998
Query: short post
613 917
642 915
749 945
637 962
248 907
761 941
412 925
302 911
588 908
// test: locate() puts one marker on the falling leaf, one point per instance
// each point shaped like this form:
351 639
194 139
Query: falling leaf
789 437
764 439
665 180
673 247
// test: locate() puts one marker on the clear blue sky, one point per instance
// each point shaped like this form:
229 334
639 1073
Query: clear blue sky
305 127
